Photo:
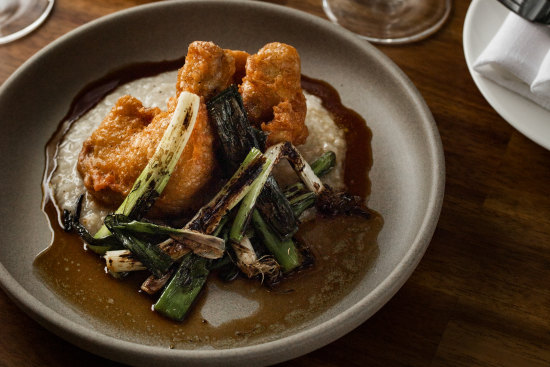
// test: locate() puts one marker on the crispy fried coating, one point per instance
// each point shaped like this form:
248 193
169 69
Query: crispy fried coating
114 155
118 150
208 69
272 93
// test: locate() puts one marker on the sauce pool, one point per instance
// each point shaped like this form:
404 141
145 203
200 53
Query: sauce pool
238 313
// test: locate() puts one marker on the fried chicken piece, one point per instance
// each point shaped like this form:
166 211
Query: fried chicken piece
272 93
209 69
118 150
114 155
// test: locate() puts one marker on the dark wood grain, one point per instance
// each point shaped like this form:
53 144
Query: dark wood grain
481 294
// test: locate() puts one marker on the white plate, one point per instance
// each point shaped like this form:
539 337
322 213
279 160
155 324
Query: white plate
483 20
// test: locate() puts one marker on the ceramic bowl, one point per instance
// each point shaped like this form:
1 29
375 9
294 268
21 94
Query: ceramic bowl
407 175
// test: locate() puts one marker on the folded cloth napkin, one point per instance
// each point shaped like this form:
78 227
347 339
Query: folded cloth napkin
518 58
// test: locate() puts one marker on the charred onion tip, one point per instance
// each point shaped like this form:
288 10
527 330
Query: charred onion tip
301 167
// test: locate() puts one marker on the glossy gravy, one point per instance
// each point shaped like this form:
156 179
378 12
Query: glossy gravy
232 314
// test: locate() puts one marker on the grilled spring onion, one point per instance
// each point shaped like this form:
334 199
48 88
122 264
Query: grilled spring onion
301 199
301 167
249 263
321 166
284 251
227 112
328 202
237 137
122 261
247 260
208 217
155 175
212 246
183 287
150 255
245 209
127 260
302 202
71 222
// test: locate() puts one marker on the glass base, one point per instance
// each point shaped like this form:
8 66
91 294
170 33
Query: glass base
20 17
389 21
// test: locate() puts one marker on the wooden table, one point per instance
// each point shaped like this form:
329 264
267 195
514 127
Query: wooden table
481 294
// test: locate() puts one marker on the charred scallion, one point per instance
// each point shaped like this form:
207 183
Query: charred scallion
183 287
71 222
251 265
247 205
284 251
155 175
209 217
237 137
302 202
301 167
150 255
328 202
212 247
321 166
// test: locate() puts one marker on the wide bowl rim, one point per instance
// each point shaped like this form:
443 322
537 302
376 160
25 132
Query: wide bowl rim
303 341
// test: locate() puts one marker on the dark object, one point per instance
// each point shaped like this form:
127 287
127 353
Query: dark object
150 255
237 137
333 203
302 202
537 11
321 166
71 222
183 288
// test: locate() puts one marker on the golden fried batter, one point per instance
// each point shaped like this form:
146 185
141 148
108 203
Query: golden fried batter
115 154
272 93
208 69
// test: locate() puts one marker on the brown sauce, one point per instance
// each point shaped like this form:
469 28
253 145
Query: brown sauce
343 248
358 136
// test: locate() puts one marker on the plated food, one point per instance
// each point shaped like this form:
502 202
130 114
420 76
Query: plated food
198 193
102 315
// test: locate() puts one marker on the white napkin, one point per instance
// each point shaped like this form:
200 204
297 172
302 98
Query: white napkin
518 58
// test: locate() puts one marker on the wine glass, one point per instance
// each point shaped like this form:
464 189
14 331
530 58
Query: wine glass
389 21
20 17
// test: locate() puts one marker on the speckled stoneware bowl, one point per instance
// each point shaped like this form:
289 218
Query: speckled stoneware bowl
407 175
